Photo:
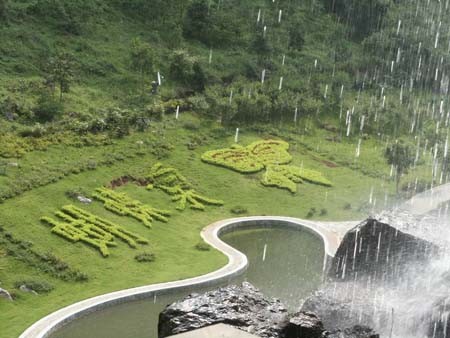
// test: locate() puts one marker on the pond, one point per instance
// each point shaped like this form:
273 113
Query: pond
285 263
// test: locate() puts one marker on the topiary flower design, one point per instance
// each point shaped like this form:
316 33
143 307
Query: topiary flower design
271 155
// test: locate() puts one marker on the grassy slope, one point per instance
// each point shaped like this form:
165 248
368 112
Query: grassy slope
174 242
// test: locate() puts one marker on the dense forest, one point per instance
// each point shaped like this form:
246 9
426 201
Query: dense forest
367 67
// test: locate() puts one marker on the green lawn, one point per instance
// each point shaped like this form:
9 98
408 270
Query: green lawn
174 242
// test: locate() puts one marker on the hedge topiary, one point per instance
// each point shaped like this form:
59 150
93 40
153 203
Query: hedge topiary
79 225
172 182
122 204
271 155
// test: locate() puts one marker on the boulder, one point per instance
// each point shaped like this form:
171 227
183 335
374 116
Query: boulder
303 324
84 200
356 331
380 252
335 313
25 288
243 307
5 294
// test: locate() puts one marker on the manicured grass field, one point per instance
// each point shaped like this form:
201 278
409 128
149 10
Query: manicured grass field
173 242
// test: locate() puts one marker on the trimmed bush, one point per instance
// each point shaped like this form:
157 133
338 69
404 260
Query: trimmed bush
238 210
271 155
172 182
252 158
81 226
36 286
202 246
121 204
145 257
311 212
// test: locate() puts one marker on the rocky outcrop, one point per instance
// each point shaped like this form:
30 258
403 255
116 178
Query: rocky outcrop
356 331
5 294
370 282
242 307
247 309
303 324
334 313
379 251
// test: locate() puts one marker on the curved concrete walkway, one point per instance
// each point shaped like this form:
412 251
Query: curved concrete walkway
427 201
331 234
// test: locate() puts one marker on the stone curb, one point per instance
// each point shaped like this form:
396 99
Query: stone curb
331 234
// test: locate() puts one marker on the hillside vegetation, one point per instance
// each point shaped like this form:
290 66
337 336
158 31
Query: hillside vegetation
144 97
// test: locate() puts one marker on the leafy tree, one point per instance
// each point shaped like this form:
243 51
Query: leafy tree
261 45
363 16
181 66
47 107
296 39
399 155
197 23
142 60
198 77
187 70
60 72
211 25
3 10
69 16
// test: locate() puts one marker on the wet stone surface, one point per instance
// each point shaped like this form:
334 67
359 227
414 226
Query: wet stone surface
245 307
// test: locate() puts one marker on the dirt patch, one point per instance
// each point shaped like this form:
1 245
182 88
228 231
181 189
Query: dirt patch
329 164
123 180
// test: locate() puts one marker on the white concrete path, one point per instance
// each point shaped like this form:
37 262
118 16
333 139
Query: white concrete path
330 232
427 201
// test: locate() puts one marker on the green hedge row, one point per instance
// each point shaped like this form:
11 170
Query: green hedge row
122 204
44 262
79 225
287 177
252 158
172 182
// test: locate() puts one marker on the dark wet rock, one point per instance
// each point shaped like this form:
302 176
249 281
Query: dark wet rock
379 251
243 307
354 332
25 288
303 324
334 313
5 294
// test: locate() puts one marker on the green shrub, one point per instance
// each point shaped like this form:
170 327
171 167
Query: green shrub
75 192
37 130
239 210
202 246
311 212
44 262
47 108
145 257
192 126
36 286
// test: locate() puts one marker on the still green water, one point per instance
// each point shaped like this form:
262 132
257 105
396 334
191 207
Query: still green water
290 271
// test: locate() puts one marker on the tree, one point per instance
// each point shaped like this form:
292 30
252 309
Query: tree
296 39
142 60
399 155
60 73
3 10
197 23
